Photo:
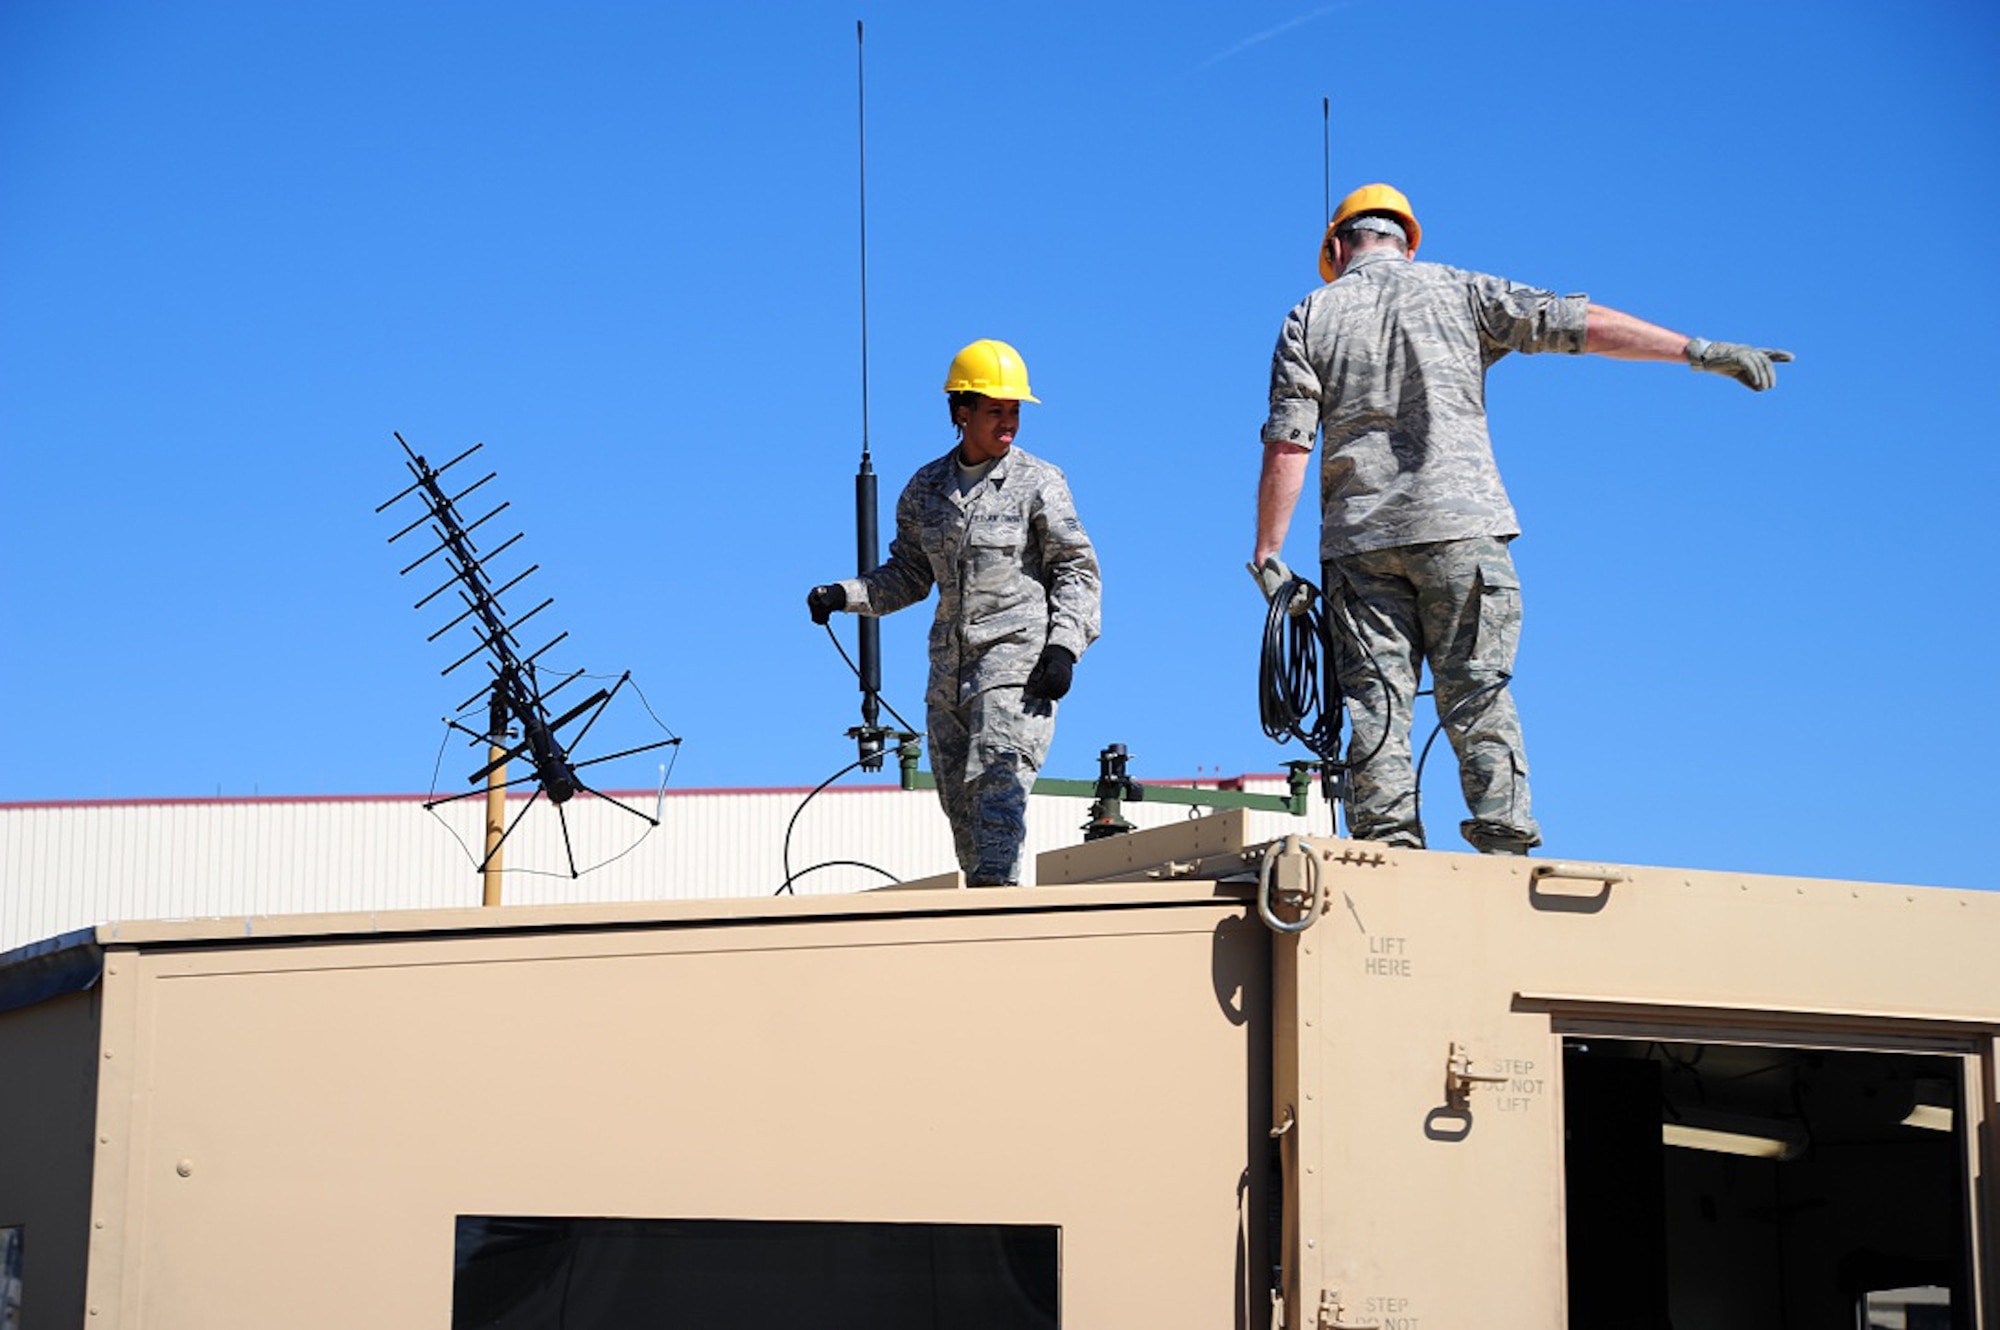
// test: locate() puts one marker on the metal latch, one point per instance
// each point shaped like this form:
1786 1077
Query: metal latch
1332 1316
1459 1082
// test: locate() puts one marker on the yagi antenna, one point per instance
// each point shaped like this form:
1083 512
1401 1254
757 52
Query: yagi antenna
519 723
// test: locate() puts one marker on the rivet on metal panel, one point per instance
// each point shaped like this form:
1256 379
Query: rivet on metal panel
1353 856
185 1168
107 1055
104 1140
98 1224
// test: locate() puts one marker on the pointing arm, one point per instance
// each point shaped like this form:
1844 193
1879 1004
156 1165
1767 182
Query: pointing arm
1613 333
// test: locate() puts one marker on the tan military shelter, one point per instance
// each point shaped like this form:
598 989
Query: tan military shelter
1188 1074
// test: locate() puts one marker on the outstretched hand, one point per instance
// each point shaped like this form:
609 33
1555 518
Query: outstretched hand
1748 365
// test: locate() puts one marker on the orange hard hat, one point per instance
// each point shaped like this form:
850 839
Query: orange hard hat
1368 198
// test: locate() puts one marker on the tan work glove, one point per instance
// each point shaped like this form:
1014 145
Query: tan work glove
1271 578
1748 365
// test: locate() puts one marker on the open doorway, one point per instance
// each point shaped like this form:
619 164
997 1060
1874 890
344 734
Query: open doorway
1713 1186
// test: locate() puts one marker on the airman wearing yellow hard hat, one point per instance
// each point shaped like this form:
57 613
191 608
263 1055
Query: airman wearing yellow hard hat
1386 363
995 530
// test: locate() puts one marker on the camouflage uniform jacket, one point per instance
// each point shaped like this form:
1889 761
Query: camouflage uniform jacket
1012 565
1390 360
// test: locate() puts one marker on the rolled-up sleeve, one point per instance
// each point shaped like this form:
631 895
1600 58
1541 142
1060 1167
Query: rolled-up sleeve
1513 317
1295 386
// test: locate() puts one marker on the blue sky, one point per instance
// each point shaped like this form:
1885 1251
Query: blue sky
240 243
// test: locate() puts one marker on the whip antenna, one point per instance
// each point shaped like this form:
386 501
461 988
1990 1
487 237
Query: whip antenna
861 122
1326 156
869 735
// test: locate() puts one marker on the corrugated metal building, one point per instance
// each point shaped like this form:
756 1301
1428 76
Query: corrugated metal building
67 865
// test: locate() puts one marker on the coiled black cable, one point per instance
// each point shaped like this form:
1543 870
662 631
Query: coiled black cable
1295 699
1290 683
1290 693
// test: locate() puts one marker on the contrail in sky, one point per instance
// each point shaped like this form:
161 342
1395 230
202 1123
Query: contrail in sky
1269 33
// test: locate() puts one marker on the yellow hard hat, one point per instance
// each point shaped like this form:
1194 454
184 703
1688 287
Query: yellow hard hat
1368 198
991 369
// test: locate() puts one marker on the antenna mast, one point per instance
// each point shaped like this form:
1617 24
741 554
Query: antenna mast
869 734
1326 156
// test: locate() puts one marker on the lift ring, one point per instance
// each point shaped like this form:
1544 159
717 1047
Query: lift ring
1316 893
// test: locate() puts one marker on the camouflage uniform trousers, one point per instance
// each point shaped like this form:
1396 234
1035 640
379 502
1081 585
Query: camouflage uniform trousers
985 755
1457 605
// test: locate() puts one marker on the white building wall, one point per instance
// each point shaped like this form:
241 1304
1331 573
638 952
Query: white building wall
69 865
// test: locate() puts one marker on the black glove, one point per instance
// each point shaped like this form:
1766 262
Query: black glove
822 601
1748 365
1049 680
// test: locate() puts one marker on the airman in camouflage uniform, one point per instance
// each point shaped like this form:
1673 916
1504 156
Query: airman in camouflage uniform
995 530
1388 362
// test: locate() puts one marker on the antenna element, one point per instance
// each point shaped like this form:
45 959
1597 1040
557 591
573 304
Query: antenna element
870 736
518 721
1326 156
